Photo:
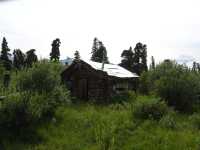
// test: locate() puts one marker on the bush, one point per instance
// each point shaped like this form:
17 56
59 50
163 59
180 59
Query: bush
39 94
150 109
23 109
128 96
174 83
13 112
179 88
195 120
42 77
169 121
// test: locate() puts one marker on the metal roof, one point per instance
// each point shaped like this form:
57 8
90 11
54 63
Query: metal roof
112 70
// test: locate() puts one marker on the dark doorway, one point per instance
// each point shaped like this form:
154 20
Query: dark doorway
83 89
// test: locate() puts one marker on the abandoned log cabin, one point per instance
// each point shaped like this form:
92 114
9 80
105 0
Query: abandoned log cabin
92 80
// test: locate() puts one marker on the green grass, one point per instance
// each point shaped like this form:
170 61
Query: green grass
91 127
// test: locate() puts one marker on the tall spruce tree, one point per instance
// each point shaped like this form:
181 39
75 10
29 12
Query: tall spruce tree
152 65
31 58
19 59
140 58
4 57
55 51
135 60
95 48
127 59
77 55
196 67
99 52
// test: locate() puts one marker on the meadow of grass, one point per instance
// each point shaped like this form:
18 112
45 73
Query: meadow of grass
113 127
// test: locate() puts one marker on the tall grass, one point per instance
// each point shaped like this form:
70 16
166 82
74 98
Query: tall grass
92 127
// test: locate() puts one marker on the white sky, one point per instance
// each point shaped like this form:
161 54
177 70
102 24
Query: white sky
170 28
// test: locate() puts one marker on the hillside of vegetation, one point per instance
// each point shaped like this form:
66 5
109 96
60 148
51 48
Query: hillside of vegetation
91 127
37 112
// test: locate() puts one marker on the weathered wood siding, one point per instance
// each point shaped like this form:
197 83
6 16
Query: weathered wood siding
88 83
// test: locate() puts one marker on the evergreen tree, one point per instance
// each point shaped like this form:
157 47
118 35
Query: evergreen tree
99 52
4 58
19 59
127 59
55 51
95 48
152 66
76 55
140 58
102 54
135 61
194 67
31 58
198 67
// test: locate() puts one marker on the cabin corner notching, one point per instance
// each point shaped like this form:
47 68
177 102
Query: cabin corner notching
87 80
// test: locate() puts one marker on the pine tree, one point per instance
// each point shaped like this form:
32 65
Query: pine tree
196 67
102 53
31 58
99 52
127 59
144 58
95 48
76 55
140 58
135 61
152 66
19 59
55 51
7 63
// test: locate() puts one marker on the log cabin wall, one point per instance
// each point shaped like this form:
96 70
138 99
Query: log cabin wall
88 83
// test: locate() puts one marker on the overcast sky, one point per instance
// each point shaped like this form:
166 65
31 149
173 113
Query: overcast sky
170 28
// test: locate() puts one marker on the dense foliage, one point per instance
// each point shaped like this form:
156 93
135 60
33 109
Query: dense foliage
95 127
33 96
150 109
176 84
36 112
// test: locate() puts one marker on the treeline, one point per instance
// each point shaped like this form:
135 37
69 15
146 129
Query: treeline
135 60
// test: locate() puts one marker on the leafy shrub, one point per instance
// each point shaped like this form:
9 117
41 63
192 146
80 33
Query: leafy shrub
145 82
39 94
23 109
179 88
42 77
174 83
128 96
169 121
195 120
12 111
150 109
